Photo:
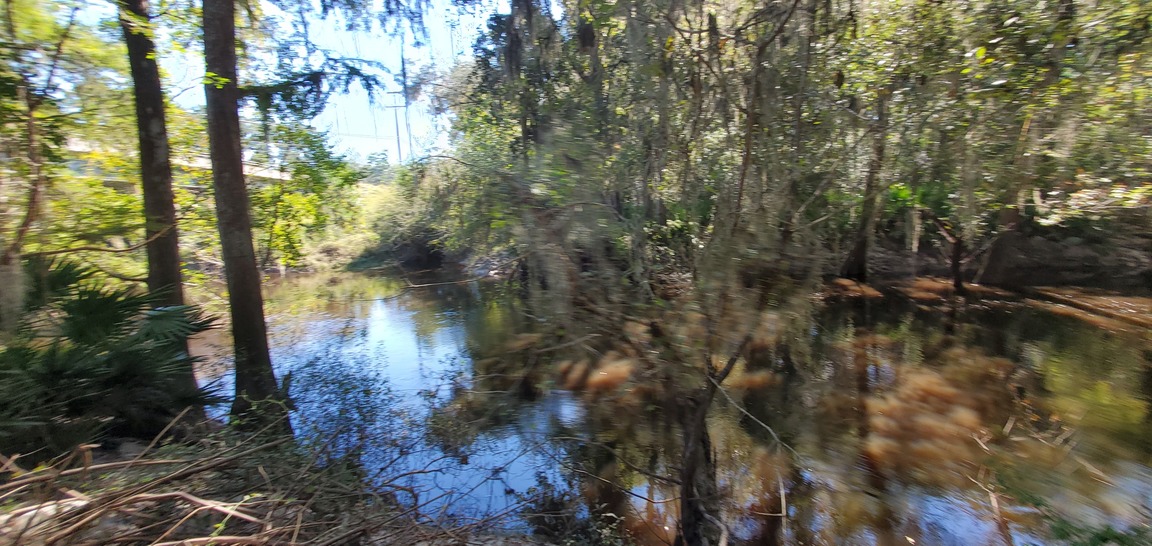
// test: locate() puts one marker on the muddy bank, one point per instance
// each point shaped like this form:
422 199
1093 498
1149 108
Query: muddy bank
1136 310
1106 309
1015 260
418 253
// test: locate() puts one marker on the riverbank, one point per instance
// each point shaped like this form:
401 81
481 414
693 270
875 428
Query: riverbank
220 488
1105 308
450 414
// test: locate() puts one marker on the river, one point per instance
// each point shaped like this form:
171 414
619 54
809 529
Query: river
898 420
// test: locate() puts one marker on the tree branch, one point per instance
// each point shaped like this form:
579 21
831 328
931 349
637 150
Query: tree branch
137 246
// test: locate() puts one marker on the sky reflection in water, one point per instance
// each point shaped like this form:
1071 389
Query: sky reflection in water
370 360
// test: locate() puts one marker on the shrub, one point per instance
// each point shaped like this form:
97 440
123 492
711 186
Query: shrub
91 359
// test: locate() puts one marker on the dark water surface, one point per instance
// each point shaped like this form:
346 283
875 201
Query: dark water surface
902 422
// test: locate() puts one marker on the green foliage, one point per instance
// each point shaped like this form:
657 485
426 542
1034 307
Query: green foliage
1093 200
425 204
674 122
92 359
1076 535
309 197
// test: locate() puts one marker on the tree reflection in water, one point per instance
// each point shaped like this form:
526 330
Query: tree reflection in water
897 419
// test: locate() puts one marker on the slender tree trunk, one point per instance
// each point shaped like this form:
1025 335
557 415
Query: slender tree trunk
255 379
856 266
697 475
39 177
165 279
11 269
958 264
698 470
164 276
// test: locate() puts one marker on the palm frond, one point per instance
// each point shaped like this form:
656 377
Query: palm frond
93 313
93 359
50 278
173 324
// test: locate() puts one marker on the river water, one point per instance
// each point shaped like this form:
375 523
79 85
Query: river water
899 420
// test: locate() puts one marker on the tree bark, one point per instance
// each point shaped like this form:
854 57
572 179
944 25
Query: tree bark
697 475
255 379
856 266
164 276
698 470
165 280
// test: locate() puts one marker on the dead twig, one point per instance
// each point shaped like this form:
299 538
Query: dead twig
161 434
204 505
115 501
208 541
51 474
567 344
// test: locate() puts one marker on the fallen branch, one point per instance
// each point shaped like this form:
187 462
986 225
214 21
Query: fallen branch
49 474
207 541
101 508
462 281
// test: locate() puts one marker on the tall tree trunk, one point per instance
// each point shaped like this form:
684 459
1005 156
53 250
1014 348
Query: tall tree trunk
11 246
255 379
164 276
11 268
856 266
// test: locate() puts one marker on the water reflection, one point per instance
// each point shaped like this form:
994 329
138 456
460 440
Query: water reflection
353 343
893 421
909 432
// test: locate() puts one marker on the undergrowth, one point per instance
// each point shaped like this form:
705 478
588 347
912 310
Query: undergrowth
89 359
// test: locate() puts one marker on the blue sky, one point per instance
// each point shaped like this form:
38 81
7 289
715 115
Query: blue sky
363 128
358 126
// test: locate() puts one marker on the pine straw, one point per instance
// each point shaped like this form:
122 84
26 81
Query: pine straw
223 490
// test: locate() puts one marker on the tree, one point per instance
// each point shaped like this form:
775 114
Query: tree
165 280
86 203
856 266
38 55
164 276
734 140
290 211
29 100
255 378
